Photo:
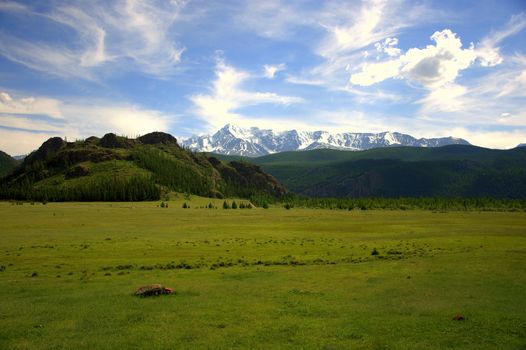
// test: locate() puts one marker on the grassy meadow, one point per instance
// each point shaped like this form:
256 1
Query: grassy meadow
259 279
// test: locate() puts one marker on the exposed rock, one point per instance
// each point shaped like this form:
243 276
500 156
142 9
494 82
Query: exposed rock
153 290
93 140
157 137
113 141
46 151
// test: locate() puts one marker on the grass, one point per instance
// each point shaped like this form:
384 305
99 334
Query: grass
262 279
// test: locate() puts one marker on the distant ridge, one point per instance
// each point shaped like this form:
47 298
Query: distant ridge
458 171
255 142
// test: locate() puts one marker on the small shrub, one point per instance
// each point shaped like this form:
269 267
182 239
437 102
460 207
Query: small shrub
288 206
225 205
265 205
210 206
234 205
185 206
375 252
162 204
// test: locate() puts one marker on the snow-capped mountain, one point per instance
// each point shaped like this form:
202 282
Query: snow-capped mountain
255 142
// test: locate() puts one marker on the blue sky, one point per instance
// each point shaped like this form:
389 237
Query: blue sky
427 68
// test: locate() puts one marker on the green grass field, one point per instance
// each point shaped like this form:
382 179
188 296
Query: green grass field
259 279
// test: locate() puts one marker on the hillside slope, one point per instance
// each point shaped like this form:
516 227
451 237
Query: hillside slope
7 164
119 168
449 171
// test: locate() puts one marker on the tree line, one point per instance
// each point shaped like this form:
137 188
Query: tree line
136 188
406 203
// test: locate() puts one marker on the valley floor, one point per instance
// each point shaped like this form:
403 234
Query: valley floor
259 279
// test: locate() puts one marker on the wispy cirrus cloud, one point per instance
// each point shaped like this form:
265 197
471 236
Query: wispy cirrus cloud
12 6
348 30
485 99
227 96
274 19
124 33
488 50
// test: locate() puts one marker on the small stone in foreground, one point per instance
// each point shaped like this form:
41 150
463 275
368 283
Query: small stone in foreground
153 290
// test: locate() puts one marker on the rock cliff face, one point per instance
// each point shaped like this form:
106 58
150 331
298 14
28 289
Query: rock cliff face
255 142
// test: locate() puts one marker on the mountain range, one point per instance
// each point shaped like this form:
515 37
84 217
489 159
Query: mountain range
255 142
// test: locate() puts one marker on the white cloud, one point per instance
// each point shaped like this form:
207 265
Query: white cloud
270 70
433 66
436 65
388 46
122 32
227 95
30 105
75 119
375 73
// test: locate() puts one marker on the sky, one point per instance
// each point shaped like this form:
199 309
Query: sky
427 68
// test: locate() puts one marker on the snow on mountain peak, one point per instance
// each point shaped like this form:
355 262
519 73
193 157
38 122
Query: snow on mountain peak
254 142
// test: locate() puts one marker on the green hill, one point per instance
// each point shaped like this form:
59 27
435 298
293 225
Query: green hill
449 171
115 168
7 164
